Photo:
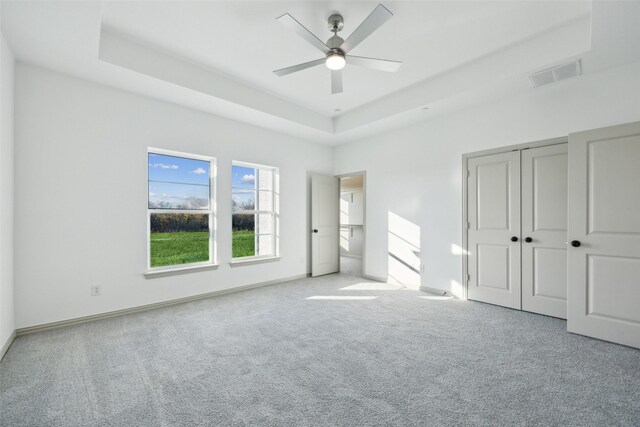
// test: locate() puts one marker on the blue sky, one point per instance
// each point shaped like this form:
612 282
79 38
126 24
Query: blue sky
243 177
243 181
178 183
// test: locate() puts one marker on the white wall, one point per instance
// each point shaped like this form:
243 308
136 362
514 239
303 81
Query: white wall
80 170
415 173
7 324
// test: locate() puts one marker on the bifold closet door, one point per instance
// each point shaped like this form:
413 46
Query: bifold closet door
544 230
604 234
494 229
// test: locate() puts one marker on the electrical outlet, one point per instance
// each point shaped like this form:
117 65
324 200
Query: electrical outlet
95 291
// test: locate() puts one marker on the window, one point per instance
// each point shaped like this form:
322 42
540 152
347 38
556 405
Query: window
180 209
255 211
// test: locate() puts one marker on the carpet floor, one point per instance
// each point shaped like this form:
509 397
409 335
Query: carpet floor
335 350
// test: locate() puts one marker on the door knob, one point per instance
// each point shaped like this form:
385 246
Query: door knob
575 243
315 230
514 239
528 239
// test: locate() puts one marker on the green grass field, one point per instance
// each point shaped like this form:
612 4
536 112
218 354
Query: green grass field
243 244
189 247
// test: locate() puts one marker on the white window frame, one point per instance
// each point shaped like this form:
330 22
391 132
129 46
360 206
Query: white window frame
275 213
211 212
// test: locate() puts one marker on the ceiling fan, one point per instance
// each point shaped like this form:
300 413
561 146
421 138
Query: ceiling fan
336 49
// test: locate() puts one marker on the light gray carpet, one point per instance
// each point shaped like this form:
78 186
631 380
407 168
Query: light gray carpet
271 356
351 266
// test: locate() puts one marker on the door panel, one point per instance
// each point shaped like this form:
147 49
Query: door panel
325 195
494 217
493 202
544 221
613 164
549 274
493 266
604 215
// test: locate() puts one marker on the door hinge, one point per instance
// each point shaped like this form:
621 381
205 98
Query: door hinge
468 278
468 225
468 173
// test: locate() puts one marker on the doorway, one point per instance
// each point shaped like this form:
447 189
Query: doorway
352 224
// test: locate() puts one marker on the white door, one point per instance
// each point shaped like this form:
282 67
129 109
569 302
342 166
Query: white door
325 194
604 234
494 229
544 230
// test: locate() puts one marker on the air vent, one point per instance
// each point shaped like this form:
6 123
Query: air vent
555 74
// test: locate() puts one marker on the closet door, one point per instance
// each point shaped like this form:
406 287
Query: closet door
604 234
494 229
544 230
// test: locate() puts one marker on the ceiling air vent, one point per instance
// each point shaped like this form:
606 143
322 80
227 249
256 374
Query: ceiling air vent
555 74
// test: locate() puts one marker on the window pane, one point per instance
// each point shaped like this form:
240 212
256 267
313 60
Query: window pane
244 222
164 195
243 177
244 241
265 179
265 245
163 168
265 224
243 200
265 201
179 239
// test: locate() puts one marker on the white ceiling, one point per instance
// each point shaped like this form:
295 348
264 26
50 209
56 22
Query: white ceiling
219 56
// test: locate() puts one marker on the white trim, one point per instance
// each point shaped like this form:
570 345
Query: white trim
375 278
465 189
253 165
363 225
275 213
85 319
7 344
161 271
434 291
252 260
211 212
172 153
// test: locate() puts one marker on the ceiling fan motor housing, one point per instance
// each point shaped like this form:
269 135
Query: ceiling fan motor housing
335 42
336 23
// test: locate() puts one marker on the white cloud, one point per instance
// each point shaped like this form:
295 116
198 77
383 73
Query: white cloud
199 171
151 193
165 166
248 179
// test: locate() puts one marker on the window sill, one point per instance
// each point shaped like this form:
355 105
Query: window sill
250 261
179 270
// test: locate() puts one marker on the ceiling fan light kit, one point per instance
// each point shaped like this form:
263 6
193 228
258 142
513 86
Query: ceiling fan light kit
336 48
335 61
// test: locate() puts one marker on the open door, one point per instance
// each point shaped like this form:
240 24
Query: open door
325 192
604 234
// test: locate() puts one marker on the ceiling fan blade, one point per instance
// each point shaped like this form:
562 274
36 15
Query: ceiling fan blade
379 16
293 25
284 71
374 64
336 81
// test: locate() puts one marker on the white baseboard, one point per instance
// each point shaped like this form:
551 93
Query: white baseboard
375 278
433 290
6 345
78 320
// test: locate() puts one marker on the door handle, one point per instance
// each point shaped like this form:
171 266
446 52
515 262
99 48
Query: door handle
528 239
575 243
315 230
514 239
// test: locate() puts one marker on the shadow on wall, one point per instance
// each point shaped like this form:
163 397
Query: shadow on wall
404 264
